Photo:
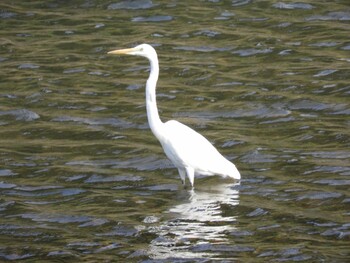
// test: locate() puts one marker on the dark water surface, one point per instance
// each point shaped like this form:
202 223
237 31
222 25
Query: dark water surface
83 179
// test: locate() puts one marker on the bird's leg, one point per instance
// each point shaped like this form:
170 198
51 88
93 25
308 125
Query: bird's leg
182 174
190 175
193 196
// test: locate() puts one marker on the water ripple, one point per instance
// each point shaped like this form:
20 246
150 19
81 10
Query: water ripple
333 182
6 172
325 72
258 157
121 230
28 66
319 196
14 256
341 170
240 2
108 179
329 154
42 192
84 221
250 110
4 185
132 5
74 70
306 104
202 48
331 16
21 114
149 163
115 122
252 51
281 5
152 19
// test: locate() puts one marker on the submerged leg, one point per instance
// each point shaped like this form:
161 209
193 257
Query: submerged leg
182 174
190 175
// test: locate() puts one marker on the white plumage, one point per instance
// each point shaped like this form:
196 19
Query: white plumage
190 152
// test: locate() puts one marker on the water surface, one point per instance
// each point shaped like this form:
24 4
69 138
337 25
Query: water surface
83 179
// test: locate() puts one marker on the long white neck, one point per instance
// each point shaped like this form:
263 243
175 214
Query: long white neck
151 102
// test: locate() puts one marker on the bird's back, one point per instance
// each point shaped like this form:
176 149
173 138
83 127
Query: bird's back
187 148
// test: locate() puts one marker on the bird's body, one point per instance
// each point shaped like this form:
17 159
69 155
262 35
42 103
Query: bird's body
189 151
198 157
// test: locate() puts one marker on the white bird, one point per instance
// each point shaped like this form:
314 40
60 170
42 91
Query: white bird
189 151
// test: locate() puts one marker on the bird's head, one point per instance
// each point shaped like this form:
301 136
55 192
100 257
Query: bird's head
143 50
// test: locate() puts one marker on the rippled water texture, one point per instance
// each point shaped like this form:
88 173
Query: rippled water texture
83 179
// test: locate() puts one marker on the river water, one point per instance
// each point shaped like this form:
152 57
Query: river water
82 179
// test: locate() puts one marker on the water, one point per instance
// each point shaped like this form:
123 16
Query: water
83 179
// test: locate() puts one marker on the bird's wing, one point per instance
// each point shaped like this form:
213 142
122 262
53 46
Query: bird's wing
186 147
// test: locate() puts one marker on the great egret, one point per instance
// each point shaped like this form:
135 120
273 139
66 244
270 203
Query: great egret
189 151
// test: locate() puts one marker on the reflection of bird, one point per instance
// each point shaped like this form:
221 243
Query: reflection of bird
198 220
189 151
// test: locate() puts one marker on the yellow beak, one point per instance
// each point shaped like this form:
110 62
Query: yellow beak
121 51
